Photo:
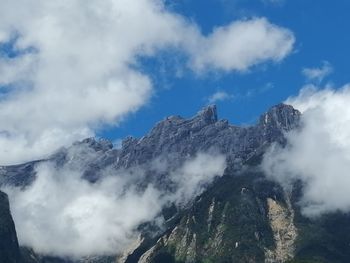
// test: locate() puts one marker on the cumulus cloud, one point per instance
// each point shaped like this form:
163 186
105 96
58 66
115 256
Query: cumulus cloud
76 64
318 74
65 215
243 44
219 96
319 153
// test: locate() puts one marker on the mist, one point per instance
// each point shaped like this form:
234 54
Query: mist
318 153
64 215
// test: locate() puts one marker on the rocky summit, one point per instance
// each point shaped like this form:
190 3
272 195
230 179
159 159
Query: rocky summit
240 217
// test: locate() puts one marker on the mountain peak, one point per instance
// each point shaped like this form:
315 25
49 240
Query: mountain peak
280 116
96 144
208 114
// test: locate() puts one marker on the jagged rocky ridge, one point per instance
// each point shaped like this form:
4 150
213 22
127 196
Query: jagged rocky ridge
176 138
241 217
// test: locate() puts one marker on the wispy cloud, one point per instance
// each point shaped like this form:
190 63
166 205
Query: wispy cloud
274 2
260 90
219 96
318 74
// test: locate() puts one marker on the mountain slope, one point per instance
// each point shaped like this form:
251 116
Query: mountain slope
240 217
9 249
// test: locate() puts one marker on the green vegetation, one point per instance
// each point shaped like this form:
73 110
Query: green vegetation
238 229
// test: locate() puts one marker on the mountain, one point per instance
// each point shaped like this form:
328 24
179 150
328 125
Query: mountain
240 217
9 249
174 137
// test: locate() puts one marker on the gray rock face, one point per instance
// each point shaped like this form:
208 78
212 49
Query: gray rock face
175 138
182 137
280 118
17 175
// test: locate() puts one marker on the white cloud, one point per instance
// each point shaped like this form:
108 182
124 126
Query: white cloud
219 96
318 74
16 69
77 64
62 214
243 44
195 175
319 153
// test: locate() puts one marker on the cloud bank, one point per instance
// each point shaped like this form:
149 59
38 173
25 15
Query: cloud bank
74 65
61 214
319 153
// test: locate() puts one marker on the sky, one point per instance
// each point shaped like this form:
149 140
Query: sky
73 69
320 35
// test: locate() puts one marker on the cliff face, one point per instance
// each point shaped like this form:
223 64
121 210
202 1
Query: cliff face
240 217
174 138
9 249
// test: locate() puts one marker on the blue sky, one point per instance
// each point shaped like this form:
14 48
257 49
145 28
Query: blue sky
75 69
321 35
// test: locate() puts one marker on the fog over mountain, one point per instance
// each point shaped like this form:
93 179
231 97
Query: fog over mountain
91 191
318 153
62 214
189 187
